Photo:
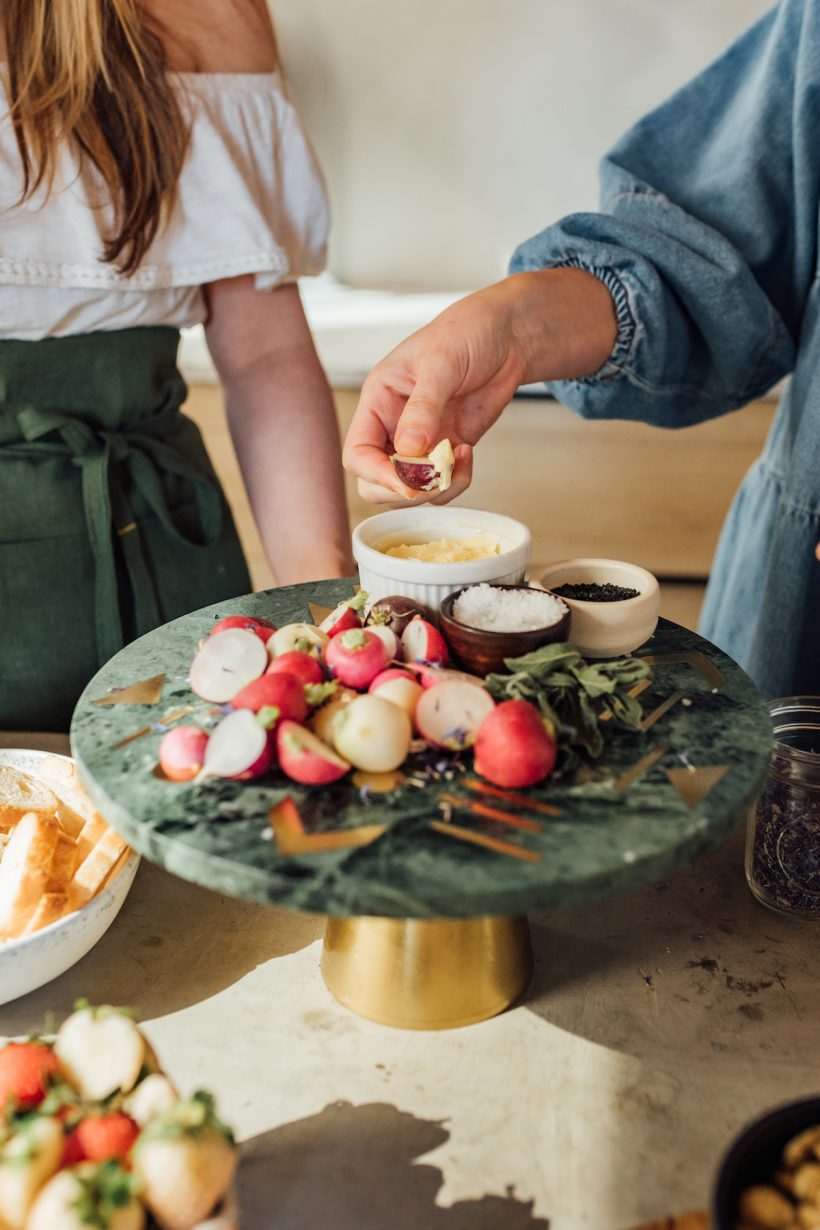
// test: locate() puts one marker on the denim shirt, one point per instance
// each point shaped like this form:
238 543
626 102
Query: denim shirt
708 243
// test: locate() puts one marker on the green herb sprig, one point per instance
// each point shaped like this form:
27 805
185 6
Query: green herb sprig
565 687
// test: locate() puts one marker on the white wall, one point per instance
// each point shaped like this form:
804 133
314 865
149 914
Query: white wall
451 129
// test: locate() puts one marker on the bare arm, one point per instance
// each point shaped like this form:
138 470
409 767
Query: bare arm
283 424
453 378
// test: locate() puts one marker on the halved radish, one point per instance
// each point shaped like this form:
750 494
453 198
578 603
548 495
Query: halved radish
429 675
388 637
450 714
101 1051
182 752
399 687
306 638
225 663
262 628
372 734
422 642
305 758
239 748
345 615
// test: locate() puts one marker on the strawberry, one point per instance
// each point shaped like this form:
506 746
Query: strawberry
26 1068
100 1138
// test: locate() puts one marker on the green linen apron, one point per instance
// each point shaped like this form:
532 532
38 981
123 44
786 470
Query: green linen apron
112 520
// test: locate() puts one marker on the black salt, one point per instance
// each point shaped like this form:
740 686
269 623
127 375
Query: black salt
593 592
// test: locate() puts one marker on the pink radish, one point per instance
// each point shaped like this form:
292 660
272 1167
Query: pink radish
345 615
307 638
430 473
281 691
182 752
399 687
356 657
305 758
239 748
263 628
305 667
422 642
321 722
450 714
514 748
388 637
372 734
429 676
225 663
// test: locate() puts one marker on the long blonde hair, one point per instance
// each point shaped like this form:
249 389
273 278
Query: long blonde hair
93 72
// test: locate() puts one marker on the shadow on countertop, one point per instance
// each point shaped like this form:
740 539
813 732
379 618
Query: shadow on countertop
355 1168
172 945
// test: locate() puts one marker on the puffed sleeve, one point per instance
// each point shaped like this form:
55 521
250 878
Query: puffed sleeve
707 239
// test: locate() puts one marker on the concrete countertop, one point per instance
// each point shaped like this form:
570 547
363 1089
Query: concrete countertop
656 1026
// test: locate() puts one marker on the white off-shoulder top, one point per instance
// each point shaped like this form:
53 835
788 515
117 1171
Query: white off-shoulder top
251 201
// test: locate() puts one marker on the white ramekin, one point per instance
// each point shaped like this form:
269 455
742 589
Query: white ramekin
607 629
382 575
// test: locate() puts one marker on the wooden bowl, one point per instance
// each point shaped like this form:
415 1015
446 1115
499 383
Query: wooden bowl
481 651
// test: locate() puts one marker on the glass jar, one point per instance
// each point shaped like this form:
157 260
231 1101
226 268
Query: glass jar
783 840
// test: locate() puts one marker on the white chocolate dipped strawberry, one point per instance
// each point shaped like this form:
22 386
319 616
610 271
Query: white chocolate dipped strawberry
153 1095
101 1051
186 1160
27 1161
92 1194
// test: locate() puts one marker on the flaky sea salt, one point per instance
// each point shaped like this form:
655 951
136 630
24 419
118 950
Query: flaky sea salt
507 610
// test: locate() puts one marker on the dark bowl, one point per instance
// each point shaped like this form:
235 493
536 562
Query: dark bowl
481 651
755 1156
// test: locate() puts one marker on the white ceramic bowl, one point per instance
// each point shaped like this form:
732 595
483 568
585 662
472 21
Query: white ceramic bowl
381 575
33 960
607 629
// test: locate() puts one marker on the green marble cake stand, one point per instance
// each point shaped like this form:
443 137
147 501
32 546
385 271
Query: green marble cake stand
427 923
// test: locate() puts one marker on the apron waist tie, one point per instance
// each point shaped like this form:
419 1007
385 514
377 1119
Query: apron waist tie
145 456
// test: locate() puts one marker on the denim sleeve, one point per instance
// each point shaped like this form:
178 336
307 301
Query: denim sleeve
708 233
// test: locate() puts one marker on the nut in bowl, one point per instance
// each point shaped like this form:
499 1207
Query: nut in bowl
426 553
614 605
485 624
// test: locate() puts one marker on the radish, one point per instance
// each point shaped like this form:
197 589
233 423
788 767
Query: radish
393 612
514 748
372 734
182 752
345 615
305 758
262 628
281 691
225 663
239 748
429 676
450 714
422 642
388 637
307 638
303 665
399 687
356 657
321 722
430 473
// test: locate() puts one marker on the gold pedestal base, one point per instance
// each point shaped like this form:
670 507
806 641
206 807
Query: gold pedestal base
427 973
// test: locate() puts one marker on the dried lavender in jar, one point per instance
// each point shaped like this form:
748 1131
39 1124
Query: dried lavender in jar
783 845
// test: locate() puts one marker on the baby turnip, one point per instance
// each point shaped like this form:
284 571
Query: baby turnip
280 691
356 657
262 628
305 758
306 638
372 734
321 721
344 616
393 612
430 473
422 642
306 668
182 752
239 748
225 663
399 687
514 748
450 714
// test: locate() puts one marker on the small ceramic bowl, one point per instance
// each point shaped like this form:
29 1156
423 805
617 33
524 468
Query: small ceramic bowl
607 629
33 960
480 650
755 1155
382 575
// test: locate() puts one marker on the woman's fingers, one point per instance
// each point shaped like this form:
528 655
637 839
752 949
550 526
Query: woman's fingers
419 426
377 493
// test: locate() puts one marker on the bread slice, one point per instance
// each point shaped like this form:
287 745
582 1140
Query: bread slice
74 808
49 908
39 858
95 868
20 793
